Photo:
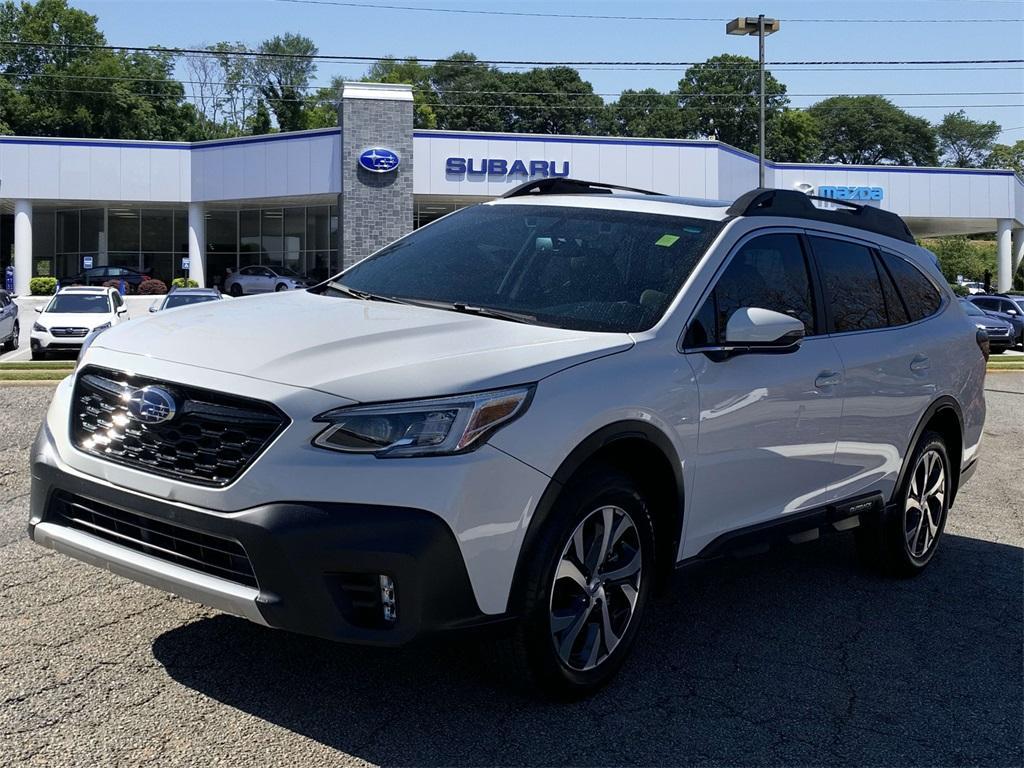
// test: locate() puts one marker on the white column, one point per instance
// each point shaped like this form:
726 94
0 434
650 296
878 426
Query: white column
1017 249
197 243
1004 277
22 246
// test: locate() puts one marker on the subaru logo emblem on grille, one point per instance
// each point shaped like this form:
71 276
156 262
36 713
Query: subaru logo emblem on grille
151 405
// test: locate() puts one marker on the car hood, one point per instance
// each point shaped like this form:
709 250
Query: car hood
1008 319
360 350
74 319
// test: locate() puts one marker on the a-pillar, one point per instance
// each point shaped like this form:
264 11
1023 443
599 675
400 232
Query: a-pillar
22 246
197 243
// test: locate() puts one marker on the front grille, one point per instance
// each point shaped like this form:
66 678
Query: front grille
210 438
65 332
202 552
997 331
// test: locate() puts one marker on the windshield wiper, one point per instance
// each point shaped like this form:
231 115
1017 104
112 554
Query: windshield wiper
355 293
499 314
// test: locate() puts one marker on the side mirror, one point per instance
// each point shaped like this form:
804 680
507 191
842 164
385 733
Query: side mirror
152 308
752 329
122 310
39 310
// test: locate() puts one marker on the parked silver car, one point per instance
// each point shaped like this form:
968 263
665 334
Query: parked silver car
263 279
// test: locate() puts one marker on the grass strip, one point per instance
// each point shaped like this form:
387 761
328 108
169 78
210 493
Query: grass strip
32 375
57 365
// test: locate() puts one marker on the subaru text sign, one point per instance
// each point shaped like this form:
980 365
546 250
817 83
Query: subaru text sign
499 167
379 160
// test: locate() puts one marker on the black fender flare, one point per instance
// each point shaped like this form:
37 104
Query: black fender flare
941 403
584 451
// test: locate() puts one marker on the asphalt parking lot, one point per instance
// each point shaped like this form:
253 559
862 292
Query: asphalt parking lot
790 658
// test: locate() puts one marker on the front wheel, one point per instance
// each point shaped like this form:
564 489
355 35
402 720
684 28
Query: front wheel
586 585
904 540
38 354
235 290
280 287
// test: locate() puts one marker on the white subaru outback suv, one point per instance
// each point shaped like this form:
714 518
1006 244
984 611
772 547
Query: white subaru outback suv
526 414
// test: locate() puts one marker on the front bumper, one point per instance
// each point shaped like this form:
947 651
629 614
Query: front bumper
47 341
305 557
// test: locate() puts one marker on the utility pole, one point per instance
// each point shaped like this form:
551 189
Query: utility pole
762 27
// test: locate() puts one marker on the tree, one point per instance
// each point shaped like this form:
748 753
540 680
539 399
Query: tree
872 130
649 113
552 100
1007 156
241 87
470 96
959 256
69 90
721 96
965 143
206 86
391 70
259 122
794 136
284 70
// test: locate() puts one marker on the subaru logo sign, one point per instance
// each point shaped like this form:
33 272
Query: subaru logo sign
151 405
379 160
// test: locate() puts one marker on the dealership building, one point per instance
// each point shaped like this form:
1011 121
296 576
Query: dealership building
316 201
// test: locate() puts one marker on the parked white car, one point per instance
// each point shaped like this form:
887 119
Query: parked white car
263 279
524 416
71 315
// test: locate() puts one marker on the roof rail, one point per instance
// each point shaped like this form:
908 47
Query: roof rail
790 202
559 185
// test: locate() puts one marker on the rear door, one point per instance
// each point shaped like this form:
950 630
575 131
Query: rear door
887 356
8 311
769 423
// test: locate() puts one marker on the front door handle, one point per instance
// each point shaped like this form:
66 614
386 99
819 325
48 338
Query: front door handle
920 363
827 379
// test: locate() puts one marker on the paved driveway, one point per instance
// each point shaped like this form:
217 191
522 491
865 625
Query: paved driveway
796 659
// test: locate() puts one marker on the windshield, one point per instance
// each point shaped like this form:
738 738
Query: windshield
971 309
79 303
181 301
285 271
580 268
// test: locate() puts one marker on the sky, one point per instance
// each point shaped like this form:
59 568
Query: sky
985 94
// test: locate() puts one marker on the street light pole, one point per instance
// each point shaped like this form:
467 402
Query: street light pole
762 27
760 68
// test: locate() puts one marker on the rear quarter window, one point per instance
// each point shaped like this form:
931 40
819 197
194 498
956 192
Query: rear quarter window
920 295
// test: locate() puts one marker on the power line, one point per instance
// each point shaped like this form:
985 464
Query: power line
603 17
545 63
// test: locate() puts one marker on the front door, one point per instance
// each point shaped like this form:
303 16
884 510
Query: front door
769 422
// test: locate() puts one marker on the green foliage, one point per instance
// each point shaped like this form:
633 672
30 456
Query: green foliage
959 290
410 71
283 77
872 130
963 142
183 282
77 91
152 287
649 113
721 99
259 124
42 286
1007 156
959 256
793 137
470 96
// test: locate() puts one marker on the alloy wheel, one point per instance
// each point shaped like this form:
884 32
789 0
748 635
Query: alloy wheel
925 504
595 589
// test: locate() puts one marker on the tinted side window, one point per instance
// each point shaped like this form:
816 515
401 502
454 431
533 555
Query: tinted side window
852 289
769 272
918 292
894 304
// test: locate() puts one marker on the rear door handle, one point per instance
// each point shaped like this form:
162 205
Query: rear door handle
827 379
920 363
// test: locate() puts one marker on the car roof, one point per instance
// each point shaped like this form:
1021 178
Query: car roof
85 289
666 205
196 291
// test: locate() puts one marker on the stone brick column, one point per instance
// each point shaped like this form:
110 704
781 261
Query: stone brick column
376 208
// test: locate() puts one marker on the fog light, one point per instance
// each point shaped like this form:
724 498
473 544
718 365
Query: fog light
387 598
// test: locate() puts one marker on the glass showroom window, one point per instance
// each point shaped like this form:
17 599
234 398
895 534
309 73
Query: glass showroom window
221 246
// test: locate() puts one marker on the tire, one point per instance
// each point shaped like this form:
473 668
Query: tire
566 592
903 541
280 287
998 350
12 343
235 290
38 354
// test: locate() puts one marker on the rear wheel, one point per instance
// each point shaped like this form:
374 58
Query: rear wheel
585 589
904 540
12 343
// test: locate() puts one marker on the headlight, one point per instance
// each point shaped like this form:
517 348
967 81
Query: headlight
39 328
99 328
424 427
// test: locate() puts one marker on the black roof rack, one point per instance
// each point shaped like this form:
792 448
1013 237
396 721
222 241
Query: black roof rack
559 185
790 202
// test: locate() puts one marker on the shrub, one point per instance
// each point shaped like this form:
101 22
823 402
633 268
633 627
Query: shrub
182 282
959 290
152 287
42 286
